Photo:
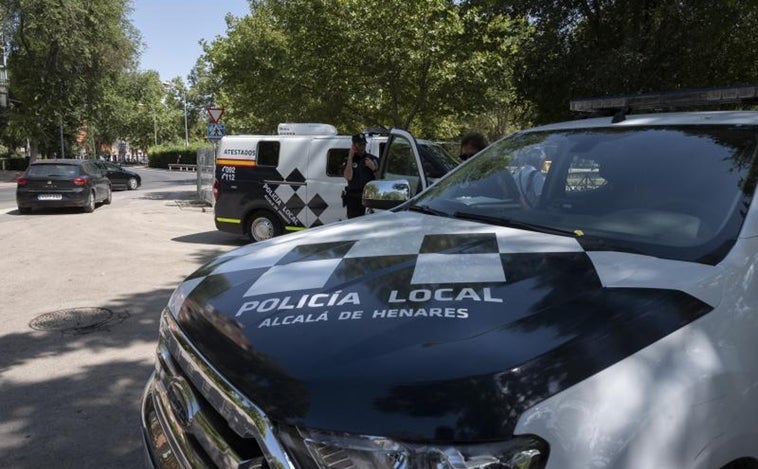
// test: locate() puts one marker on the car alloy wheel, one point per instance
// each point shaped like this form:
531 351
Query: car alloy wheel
90 207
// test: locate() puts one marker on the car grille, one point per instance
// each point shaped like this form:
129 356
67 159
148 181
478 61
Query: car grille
207 420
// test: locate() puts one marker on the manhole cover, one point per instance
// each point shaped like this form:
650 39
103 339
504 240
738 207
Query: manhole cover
77 320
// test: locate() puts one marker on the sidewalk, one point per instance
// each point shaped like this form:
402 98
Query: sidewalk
9 176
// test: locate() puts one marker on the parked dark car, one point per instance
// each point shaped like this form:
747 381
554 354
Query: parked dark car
62 183
121 178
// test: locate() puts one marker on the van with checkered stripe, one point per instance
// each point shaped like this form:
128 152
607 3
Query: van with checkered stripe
267 185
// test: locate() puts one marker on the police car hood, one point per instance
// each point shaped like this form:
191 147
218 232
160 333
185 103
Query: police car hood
420 327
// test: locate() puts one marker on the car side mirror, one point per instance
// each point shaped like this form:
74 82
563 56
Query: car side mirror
384 195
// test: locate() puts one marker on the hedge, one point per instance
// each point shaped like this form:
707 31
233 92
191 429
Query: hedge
163 155
16 164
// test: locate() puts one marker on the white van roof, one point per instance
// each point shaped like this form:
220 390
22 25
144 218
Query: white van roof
289 128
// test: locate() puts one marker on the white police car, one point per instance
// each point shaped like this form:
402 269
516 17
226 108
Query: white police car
609 323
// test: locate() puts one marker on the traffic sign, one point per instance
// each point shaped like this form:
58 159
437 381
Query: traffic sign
216 131
214 113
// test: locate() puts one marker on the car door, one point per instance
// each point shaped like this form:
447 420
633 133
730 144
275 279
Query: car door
98 179
401 160
116 175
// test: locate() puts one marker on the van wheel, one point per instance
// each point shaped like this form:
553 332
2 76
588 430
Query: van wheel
263 225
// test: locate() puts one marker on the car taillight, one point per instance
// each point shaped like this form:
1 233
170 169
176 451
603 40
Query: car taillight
215 190
21 181
80 181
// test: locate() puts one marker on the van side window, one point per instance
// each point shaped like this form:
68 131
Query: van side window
268 153
335 161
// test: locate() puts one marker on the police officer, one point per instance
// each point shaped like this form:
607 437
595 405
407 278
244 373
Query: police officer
360 168
471 144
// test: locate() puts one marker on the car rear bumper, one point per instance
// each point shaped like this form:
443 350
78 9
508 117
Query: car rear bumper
72 198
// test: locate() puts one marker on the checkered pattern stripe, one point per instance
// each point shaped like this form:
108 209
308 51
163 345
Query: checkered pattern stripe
434 259
294 197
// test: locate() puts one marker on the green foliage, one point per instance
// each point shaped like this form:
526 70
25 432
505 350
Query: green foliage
132 110
16 164
63 55
162 155
430 66
611 47
439 68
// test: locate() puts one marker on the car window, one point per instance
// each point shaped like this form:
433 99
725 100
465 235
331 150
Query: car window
678 192
401 163
92 169
53 170
435 160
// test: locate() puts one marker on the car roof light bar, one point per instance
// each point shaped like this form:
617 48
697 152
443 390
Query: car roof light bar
747 94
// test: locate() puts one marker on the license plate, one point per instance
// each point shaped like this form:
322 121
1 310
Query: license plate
49 197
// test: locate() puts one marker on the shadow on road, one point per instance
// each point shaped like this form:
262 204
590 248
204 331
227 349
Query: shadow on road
86 414
52 211
179 182
212 237
170 195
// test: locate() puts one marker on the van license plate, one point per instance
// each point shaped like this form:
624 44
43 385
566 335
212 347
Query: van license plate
49 197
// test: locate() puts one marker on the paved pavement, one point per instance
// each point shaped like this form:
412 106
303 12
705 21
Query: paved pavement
9 176
70 398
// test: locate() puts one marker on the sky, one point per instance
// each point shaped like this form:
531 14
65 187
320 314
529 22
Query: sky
171 31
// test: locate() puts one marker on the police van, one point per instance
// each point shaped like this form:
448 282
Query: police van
270 184
610 324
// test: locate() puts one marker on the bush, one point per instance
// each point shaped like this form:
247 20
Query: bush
163 155
16 164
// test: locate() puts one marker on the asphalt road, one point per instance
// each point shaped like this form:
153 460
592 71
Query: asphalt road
151 178
80 298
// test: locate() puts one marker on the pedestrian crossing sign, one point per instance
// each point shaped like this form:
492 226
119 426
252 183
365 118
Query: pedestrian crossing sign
215 131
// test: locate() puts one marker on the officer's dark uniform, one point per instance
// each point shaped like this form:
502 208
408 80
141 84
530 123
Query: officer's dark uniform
361 175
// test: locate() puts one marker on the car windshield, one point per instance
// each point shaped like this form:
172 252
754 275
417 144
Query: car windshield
52 170
677 192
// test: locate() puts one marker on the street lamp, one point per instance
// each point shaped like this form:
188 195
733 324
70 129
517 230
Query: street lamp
3 79
184 99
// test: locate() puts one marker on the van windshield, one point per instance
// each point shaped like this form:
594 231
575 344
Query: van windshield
677 192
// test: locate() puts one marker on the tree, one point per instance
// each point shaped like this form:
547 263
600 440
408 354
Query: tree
63 56
356 63
133 109
603 47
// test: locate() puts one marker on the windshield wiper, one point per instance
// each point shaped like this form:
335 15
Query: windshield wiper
511 223
428 210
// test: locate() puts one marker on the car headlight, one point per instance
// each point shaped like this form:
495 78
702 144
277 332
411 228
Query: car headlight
343 451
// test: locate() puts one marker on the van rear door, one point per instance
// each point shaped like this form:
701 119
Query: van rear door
323 203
